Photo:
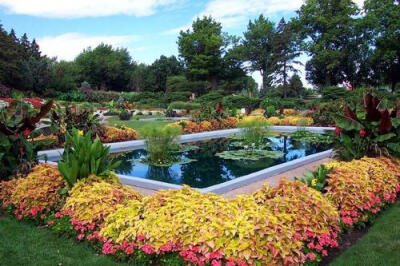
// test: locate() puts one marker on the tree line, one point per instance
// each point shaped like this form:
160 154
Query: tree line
344 44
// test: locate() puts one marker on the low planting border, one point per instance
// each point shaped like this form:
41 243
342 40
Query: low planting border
54 155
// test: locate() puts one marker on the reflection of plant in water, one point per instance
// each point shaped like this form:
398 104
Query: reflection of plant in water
161 144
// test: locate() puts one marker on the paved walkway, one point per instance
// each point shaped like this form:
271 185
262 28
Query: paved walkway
273 180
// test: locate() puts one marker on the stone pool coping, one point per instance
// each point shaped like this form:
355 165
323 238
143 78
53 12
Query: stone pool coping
225 187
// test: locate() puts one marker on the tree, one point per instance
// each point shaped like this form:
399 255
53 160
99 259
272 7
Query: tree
105 67
258 49
63 75
382 20
161 69
202 48
327 27
35 74
285 50
9 58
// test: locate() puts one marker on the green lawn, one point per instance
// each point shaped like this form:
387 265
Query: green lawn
136 124
23 244
380 246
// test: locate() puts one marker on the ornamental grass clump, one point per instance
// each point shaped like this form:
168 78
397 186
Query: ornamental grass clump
361 188
91 200
161 144
237 229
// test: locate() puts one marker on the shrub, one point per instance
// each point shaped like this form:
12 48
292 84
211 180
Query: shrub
125 115
71 96
83 157
361 188
115 134
64 120
39 192
334 93
241 101
207 225
93 199
160 144
184 105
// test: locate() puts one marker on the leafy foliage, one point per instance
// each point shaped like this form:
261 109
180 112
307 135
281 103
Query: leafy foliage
361 188
116 134
93 199
83 157
40 192
17 130
367 130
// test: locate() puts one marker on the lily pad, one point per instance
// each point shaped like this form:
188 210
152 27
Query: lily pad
251 155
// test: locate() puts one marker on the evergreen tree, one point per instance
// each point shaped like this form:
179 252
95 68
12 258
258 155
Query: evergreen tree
285 49
258 49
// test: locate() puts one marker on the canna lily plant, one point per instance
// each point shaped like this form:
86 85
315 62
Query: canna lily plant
367 130
83 157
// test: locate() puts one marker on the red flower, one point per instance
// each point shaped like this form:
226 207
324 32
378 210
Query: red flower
21 149
26 132
147 249
80 236
338 130
362 132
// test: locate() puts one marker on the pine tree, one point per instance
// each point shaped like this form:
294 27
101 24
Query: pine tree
285 50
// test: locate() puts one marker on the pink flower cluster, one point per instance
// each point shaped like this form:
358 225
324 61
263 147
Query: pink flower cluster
195 256
37 211
319 243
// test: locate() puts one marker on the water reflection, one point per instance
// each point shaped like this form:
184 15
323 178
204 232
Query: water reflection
207 169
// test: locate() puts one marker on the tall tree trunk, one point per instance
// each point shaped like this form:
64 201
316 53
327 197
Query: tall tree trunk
213 81
264 81
284 80
393 85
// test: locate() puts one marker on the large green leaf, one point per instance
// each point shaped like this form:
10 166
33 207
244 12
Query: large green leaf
385 137
395 122
346 123
394 147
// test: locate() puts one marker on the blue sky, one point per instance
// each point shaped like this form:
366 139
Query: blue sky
148 28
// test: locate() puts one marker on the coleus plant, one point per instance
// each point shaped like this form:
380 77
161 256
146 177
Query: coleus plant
367 130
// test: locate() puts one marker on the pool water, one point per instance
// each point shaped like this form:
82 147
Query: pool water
208 169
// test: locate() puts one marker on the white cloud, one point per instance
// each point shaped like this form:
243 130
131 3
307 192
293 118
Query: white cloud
67 46
84 8
234 12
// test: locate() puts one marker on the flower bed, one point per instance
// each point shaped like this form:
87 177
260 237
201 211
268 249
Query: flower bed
34 102
115 134
288 225
188 126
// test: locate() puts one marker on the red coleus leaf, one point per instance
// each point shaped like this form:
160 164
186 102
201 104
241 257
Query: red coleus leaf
386 124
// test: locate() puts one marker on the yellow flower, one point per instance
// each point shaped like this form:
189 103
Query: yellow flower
80 132
313 182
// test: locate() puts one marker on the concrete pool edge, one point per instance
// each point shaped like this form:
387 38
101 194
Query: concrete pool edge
219 188
53 155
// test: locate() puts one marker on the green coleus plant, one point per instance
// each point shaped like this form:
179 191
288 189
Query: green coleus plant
367 130
83 157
